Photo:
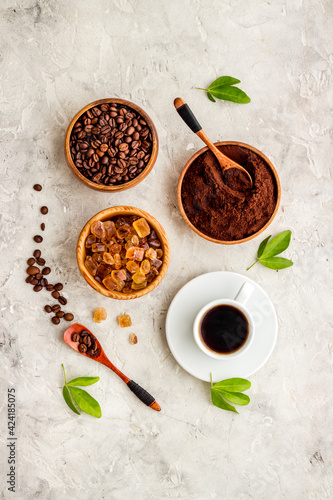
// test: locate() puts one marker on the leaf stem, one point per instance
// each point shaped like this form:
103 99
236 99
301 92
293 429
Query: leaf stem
199 88
252 264
64 373
211 379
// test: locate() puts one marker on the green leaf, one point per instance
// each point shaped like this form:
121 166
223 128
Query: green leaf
68 399
86 402
83 381
210 97
233 384
228 93
236 397
277 245
220 402
262 247
276 262
223 80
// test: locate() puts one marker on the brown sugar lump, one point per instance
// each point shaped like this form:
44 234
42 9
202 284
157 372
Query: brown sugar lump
123 254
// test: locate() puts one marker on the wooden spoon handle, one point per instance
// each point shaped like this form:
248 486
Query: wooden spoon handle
143 395
187 115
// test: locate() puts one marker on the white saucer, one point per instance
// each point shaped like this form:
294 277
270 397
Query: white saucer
191 298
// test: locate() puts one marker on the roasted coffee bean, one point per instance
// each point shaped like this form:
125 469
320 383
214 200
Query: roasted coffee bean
60 314
44 210
49 287
38 238
37 288
46 271
69 317
31 261
58 287
56 308
82 348
55 320
42 226
48 309
29 279
112 134
90 352
31 270
86 340
43 281
39 276
41 262
75 337
37 254
37 187
55 294
62 300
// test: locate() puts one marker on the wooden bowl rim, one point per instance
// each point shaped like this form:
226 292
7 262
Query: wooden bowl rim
126 185
187 166
114 212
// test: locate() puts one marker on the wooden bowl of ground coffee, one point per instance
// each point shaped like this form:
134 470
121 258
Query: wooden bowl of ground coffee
217 214
111 145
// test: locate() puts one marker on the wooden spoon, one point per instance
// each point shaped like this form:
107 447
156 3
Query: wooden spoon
145 397
226 163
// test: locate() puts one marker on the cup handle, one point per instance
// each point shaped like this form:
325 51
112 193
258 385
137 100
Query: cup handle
244 293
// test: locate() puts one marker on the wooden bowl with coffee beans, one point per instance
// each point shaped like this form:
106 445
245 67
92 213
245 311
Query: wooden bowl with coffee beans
123 252
111 145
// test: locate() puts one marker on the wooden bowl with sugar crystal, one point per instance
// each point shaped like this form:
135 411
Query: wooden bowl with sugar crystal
112 213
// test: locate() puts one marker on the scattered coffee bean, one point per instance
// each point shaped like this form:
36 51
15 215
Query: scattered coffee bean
34 281
37 254
31 270
37 187
46 271
69 317
38 238
49 287
39 276
48 309
82 347
56 308
55 294
111 144
62 300
43 282
55 320
29 279
31 261
60 314
58 287
41 262
42 226
44 210
37 288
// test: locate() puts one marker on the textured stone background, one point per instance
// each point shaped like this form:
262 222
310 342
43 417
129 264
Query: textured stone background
55 57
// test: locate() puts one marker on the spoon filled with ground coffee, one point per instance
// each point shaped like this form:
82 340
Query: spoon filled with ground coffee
233 175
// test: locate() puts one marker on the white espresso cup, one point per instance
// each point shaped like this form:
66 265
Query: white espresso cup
238 303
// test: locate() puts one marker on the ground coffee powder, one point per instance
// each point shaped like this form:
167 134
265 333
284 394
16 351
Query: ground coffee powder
214 209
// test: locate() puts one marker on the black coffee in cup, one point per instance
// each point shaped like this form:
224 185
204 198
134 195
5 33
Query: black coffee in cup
224 329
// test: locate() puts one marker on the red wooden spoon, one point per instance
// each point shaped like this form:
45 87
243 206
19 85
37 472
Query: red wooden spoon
141 393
